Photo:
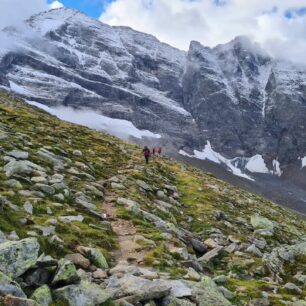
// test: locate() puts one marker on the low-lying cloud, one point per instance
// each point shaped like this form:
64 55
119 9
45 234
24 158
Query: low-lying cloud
278 25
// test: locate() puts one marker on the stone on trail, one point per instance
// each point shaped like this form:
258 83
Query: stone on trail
83 294
16 257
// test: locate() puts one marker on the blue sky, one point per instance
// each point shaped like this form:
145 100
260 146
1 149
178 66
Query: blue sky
93 8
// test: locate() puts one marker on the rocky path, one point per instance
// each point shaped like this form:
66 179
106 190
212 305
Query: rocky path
129 250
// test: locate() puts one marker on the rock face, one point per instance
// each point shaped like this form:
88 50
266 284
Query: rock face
243 99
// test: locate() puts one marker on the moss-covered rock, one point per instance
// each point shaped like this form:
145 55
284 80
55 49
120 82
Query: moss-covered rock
42 296
16 257
65 274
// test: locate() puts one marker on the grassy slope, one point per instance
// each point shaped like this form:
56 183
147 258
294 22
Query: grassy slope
106 156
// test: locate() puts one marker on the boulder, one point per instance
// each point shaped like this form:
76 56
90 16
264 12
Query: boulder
8 286
18 154
14 184
65 274
130 205
292 288
28 208
259 222
10 300
79 260
173 301
58 162
207 293
21 167
69 219
178 288
141 289
83 294
2 237
209 256
143 185
42 296
198 246
16 257
49 190
95 256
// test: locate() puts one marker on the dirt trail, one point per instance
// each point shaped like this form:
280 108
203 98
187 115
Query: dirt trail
129 250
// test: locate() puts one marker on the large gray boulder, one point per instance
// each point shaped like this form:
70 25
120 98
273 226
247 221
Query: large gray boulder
18 154
58 162
141 289
83 294
16 257
21 167
8 286
207 293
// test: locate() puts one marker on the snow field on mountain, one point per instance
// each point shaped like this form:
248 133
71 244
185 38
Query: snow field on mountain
121 128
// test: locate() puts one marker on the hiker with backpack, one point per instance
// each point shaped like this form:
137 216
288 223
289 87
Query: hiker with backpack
146 153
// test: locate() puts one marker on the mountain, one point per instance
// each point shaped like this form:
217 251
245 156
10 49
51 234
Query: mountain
83 221
234 99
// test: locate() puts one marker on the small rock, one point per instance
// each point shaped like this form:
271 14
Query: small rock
13 236
69 219
211 254
210 243
77 153
79 260
28 208
99 274
252 249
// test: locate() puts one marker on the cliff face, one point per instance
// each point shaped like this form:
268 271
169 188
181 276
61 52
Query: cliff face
234 95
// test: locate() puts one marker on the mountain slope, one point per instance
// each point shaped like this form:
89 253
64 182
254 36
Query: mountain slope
234 95
83 194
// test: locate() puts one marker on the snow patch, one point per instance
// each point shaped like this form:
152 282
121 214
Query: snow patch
257 164
209 154
303 162
121 128
276 168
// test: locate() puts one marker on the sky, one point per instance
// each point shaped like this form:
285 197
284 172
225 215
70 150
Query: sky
279 26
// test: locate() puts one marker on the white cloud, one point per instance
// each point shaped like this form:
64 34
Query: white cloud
177 22
56 5
13 12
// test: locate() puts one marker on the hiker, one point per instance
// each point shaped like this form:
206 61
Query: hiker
153 151
146 153
159 150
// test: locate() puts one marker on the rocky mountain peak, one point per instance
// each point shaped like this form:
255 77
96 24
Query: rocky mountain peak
234 95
